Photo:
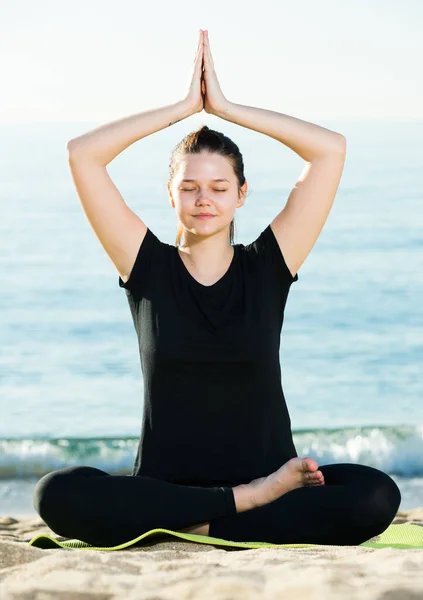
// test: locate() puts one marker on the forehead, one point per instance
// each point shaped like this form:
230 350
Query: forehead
206 166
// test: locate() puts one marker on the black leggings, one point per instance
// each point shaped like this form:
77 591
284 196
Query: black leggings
356 503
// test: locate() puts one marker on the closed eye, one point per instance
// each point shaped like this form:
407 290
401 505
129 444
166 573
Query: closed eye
185 190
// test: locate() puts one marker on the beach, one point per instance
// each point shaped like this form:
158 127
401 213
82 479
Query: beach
173 569
196 371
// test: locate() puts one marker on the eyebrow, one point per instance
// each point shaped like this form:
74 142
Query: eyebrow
211 180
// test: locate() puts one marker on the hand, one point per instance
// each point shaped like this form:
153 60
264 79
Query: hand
214 100
194 97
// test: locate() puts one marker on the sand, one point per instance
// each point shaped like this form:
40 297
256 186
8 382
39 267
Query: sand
173 569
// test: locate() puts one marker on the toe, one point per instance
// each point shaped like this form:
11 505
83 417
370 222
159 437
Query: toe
311 464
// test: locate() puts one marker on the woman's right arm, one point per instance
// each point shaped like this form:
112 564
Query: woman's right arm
118 228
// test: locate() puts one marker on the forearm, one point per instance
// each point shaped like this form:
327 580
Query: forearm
306 139
104 143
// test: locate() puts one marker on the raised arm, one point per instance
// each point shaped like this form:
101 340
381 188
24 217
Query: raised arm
120 231
299 223
103 144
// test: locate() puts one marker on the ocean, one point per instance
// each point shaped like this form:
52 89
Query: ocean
71 388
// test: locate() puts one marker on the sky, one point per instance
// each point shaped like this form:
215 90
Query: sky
92 60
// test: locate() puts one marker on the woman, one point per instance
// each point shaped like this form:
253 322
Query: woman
216 454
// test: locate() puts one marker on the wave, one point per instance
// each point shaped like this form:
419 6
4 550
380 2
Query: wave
396 450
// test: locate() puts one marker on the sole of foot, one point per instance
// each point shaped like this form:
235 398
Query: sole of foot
297 472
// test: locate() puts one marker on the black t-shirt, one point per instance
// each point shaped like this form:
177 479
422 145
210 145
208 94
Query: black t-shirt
214 408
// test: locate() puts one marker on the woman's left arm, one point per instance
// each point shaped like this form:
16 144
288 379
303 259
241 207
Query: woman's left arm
301 220
309 141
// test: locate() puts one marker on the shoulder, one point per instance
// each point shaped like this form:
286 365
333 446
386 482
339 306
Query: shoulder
266 249
151 253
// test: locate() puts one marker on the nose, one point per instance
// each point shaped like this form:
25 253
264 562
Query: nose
202 199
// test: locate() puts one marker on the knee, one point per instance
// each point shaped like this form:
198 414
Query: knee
49 493
382 502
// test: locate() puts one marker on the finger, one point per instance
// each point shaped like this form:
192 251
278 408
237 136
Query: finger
199 58
207 51
199 47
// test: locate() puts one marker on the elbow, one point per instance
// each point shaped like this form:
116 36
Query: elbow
71 146
342 143
76 151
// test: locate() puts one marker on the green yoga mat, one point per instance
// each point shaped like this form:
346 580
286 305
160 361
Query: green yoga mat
395 536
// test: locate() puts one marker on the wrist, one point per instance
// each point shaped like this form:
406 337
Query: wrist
188 108
223 110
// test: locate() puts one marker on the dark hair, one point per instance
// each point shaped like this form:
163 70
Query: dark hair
208 140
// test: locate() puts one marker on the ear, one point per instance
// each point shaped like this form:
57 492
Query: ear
244 190
169 189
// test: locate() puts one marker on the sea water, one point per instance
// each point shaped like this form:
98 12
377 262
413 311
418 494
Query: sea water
71 387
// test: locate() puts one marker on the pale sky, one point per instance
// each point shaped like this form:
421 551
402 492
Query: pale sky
99 60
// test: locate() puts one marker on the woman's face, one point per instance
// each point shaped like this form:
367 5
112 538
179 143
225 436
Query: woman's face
205 182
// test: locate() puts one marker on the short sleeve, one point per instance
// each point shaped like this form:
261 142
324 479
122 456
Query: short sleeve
142 266
267 245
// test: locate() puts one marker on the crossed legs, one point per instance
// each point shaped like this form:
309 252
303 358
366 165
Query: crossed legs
355 503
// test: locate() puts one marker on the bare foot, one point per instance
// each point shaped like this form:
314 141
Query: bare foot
297 472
